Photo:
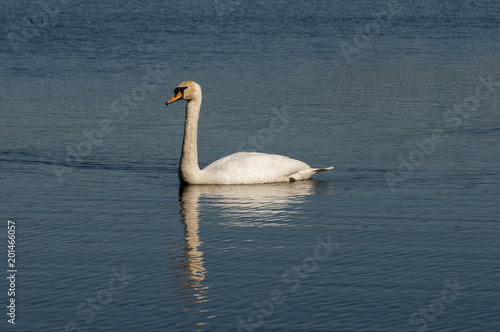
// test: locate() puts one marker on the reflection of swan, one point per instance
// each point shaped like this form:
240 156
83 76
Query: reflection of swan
190 270
238 205
189 210
238 168
254 205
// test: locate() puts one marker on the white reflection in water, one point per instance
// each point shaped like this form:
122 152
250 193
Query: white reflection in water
259 205
189 268
238 205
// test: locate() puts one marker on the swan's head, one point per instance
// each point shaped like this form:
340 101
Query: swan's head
187 90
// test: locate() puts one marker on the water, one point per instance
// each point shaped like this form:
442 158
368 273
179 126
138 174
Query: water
106 239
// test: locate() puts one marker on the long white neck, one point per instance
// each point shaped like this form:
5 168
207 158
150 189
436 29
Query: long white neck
189 170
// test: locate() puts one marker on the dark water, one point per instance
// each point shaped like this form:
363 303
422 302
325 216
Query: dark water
401 97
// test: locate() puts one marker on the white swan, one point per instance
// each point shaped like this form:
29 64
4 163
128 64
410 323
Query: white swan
238 168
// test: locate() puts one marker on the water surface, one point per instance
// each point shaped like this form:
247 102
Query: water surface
108 241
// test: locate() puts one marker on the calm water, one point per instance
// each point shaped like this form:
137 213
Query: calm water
402 98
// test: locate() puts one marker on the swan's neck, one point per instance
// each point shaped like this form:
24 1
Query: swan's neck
189 170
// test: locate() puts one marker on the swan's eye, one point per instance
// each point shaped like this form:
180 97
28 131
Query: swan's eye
180 90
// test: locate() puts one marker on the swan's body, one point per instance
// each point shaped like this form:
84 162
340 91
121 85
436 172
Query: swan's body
238 168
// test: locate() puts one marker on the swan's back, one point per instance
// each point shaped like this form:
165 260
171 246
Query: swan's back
254 167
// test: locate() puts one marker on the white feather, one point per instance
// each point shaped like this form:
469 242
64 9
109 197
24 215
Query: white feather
254 167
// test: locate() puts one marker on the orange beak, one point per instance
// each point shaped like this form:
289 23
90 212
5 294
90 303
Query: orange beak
174 98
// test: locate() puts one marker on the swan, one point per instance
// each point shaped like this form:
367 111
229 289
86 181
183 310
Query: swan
237 168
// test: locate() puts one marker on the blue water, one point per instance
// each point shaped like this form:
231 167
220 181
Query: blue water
401 97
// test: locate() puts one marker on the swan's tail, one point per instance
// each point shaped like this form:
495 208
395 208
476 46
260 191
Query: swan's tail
316 170
307 173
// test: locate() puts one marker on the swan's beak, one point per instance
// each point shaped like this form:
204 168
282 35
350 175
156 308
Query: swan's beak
176 97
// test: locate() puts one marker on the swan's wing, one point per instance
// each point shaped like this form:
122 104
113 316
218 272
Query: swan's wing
253 167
